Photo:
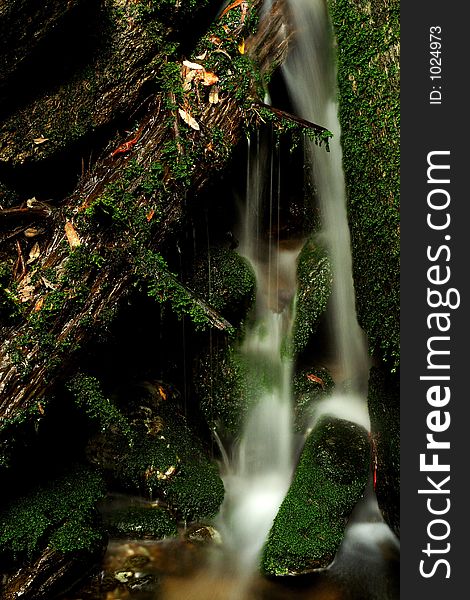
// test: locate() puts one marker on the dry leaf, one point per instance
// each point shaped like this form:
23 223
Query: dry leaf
48 284
315 379
202 56
215 40
214 95
34 254
40 140
72 235
209 78
241 47
188 79
32 232
25 289
192 65
150 215
187 118
38 305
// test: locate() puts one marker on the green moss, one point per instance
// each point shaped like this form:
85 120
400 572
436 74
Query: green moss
60 513
89 397
138 522
314 288
10 308
329 480
368 75
166 459
226 281
152 269
227 382
309 387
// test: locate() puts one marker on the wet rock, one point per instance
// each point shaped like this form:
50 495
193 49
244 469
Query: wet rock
330 478
310 385
164 458
140 523
384 409
314 287
53 573
226 281
203 534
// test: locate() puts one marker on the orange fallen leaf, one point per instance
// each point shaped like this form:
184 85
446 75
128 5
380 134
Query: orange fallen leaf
38 305
315 379
150 215
215 40
231 6
209 78
72 235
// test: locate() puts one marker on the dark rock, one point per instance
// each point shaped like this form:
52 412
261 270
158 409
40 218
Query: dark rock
330 478
384 409
53 573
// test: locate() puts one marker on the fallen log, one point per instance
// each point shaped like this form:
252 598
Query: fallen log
71 285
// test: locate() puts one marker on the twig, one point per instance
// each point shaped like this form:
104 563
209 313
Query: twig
282 114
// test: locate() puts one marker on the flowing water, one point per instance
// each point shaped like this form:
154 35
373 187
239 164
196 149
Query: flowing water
310 75
259 473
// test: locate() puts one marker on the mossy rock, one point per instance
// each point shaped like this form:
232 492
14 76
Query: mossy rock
220 384
227 383
163 457
368 38
314 288
309 387
226 281
60 514
140 523
330 478
384 409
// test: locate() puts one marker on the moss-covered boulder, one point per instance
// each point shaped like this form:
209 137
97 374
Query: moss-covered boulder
329 480
59 514
226 281
367 33
137 522
159 456
309 387
384 410
314 287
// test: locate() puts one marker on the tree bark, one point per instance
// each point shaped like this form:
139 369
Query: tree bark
106 285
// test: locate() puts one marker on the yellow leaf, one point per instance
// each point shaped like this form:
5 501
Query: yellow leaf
187 118
72 235
241 47
40 140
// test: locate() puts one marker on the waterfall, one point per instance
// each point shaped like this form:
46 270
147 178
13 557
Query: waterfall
260 471
310 75
259 474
